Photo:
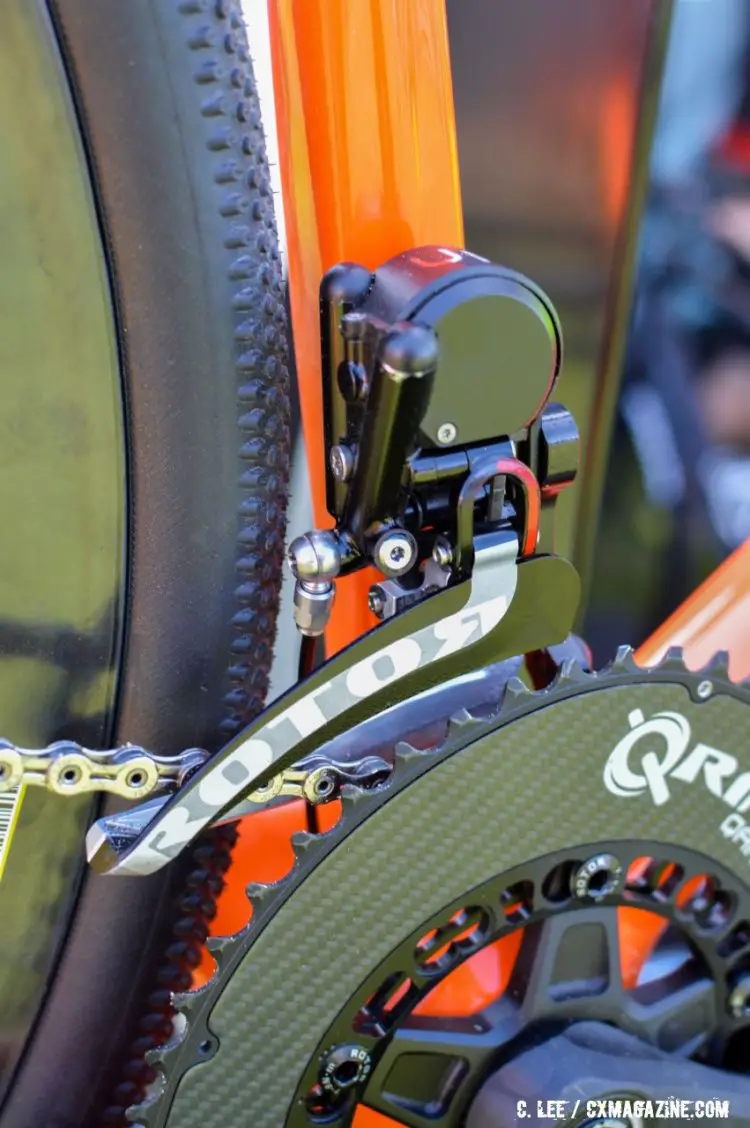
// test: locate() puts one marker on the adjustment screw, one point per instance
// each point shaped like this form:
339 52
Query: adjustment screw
442 552
739 997
341 461
446 433
344 1067
599 877
375 601
395 552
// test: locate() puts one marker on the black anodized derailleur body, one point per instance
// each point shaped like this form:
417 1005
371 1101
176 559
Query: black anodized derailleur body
429 362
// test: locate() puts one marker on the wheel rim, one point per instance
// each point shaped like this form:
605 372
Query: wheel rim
64 501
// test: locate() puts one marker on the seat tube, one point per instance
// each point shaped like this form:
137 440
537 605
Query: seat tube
368 169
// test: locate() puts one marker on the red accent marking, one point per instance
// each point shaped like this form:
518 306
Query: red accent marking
532 500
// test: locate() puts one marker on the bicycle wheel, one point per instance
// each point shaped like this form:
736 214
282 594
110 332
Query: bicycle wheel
151 410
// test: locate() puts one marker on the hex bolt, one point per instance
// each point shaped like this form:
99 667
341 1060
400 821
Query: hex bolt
739 997
442 551
375 601
446 433
343 1067
598 877
341 461
395 552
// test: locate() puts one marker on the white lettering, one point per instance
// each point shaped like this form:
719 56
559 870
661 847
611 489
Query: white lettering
731 824
240 767
306 715
619 776
457 630
173 831
717 766
738 795
400 658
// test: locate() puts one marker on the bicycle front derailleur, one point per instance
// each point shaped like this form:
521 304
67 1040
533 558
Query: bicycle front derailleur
445 459
437 371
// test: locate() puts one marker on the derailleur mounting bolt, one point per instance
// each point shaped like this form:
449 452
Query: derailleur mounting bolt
739 997
600 876
343 1067
341 461
395 552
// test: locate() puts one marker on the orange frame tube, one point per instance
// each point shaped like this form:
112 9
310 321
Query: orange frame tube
369 168
715 617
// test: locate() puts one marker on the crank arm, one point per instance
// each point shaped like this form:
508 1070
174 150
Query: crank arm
507 607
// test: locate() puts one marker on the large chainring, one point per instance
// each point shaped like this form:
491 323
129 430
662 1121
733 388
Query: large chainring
623 755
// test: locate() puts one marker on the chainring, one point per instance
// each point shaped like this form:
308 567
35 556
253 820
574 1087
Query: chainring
564 766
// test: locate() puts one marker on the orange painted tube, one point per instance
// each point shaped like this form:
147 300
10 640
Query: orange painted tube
369 168
715 617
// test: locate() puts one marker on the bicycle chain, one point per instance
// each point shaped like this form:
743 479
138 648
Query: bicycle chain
67 768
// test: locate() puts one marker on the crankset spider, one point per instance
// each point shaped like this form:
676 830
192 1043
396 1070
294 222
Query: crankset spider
611 968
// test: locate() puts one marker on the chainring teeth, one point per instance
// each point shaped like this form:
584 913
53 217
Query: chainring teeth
358 803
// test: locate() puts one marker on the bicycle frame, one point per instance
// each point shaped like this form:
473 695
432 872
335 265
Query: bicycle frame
369 167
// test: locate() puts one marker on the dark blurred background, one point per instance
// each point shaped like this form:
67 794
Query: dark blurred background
605 150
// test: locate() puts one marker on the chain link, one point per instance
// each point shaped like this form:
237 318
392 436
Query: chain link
66 768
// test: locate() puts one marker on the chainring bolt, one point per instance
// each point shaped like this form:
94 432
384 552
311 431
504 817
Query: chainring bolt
705 689
344 1067
600 876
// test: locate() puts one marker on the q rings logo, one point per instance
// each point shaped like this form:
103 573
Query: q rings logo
659 744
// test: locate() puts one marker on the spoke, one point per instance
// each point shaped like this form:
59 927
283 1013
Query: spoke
419 1078
569 962
678 1021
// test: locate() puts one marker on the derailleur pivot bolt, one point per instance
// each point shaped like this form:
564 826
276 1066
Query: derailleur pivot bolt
442 552
600 876
395 552
344 1067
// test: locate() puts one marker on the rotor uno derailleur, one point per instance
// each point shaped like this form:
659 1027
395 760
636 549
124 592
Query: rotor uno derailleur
444 460
436 367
